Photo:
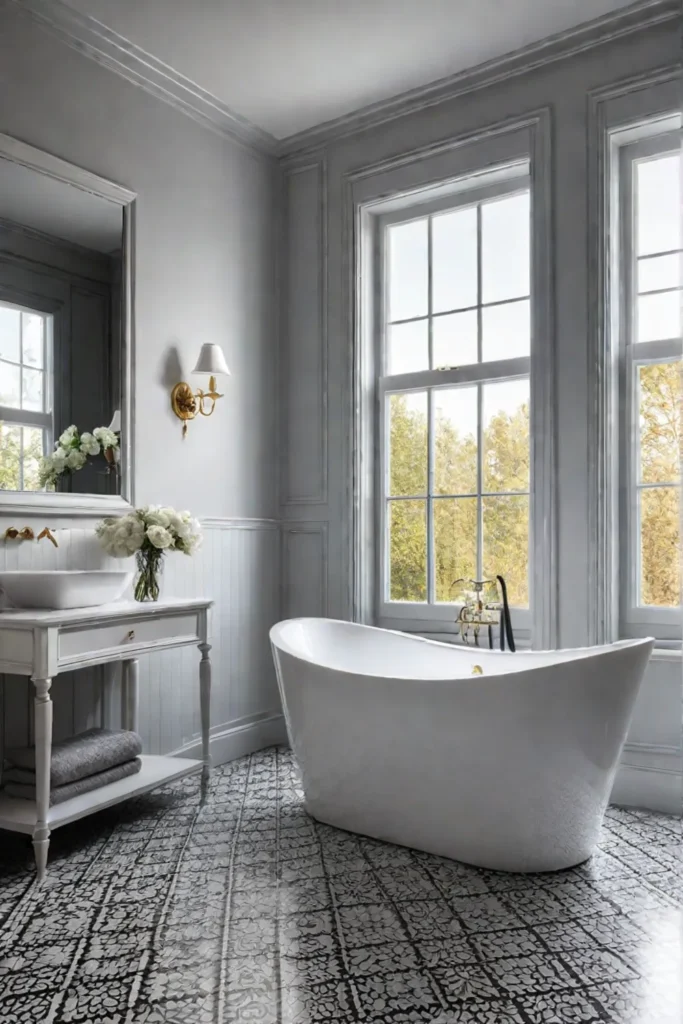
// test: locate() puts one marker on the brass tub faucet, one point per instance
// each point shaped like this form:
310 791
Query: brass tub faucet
47 532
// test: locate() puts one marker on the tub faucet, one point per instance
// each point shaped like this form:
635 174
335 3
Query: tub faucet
47 532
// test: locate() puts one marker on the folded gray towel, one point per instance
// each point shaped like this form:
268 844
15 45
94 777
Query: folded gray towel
61 793
78 757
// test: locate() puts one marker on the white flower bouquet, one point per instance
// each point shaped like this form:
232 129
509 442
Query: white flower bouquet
148 533
72 451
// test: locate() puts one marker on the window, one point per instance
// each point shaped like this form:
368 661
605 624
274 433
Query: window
650 386
25 399
455 329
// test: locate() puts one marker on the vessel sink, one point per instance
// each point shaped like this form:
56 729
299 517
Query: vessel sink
59 589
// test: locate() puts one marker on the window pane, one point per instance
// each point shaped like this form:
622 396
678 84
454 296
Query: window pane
660 422
32 339
454 260
10 333
408 444
454 339
506 545
505 248
407 551
408 347
9 385
455 440
506 331
659 272
10 457
33 451
658 204
455 546
407 245
659 316
660 580
506 436
32 390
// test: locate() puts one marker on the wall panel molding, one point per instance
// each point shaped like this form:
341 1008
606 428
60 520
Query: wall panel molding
116 53
635 18
305 344
305 569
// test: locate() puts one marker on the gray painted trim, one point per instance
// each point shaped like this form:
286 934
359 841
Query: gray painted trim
602 594
116 53
635 18
321 498
238 523
291 528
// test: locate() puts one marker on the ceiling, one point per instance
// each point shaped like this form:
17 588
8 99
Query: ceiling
287 65
55 208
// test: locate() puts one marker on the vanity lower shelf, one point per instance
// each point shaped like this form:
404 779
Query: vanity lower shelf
20 815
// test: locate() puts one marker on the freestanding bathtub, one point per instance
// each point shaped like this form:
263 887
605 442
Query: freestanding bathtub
396 739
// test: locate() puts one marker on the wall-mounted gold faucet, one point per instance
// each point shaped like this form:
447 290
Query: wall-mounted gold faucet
11 533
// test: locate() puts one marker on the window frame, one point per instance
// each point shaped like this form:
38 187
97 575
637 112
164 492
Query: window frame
419 616
635 619
19 417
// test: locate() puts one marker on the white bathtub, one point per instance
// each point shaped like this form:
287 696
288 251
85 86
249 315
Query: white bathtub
396 739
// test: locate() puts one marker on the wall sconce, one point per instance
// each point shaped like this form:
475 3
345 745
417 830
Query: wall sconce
186 403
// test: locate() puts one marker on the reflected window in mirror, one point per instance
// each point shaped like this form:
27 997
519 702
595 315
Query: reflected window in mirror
26 417
61 277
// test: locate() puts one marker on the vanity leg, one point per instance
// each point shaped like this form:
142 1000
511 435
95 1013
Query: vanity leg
42 715
205 703
129 695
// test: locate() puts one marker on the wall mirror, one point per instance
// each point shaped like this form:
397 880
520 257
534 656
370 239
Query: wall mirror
66 336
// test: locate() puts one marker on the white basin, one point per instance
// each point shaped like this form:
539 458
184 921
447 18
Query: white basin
58 589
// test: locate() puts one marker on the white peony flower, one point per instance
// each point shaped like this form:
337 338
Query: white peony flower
66 439
159 537
89 444
121 537
106 437
58 460
157 516
76 460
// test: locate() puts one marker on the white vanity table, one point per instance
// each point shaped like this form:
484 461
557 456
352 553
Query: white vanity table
41 644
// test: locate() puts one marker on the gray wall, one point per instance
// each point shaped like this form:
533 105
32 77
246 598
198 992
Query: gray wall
205 271
317 346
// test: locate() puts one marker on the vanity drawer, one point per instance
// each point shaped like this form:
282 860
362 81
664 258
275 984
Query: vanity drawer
134 635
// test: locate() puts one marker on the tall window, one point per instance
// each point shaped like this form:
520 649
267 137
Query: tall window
25 399
651 355
454 400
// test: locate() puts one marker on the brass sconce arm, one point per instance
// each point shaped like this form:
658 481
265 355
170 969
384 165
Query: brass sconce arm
186 403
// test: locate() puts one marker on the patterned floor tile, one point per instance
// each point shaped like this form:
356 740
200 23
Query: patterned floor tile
243 910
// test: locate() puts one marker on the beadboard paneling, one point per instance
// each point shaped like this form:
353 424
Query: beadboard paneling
238 566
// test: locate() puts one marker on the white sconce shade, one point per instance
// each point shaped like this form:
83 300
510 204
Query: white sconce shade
212 361
115 424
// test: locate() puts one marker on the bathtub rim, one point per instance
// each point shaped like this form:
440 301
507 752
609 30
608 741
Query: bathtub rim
582 653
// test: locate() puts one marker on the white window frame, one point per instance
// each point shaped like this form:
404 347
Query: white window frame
636 619
30 417
421 615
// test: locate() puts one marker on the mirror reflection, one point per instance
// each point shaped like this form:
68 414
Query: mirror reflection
61 272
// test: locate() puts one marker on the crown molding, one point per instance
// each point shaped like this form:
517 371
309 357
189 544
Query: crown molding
634 18
106 47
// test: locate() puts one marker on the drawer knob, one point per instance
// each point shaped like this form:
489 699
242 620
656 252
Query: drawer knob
131 634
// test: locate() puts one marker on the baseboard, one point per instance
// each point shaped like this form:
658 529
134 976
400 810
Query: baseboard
237 739
650 777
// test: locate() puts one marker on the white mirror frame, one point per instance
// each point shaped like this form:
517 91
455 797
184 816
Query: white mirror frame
45 503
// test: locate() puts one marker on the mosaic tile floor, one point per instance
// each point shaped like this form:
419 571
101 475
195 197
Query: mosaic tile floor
164 911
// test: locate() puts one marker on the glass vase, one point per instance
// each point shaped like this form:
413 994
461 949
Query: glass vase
149 564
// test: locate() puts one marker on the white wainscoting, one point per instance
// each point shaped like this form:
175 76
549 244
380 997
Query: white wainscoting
239 567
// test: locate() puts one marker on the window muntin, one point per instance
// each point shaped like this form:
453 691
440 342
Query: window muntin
651 352
25 395
454 400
